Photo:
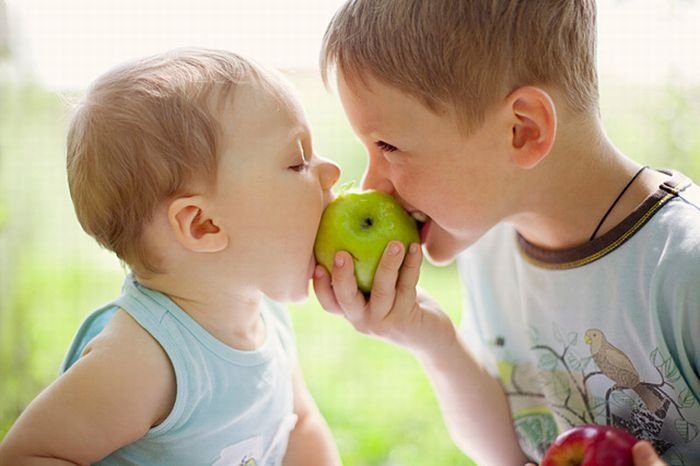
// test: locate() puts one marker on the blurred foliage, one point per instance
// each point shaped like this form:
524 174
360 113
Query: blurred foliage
657 126
375 396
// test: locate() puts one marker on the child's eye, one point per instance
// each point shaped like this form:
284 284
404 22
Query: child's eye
385 146
299 167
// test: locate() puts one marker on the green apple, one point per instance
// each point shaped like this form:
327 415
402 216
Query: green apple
363 224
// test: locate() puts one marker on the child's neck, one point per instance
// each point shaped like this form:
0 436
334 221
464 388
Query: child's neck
575 185
233 316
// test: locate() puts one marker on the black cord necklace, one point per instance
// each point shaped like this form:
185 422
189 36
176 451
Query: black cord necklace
629 183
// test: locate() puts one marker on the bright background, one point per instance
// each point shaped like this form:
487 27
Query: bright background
377 401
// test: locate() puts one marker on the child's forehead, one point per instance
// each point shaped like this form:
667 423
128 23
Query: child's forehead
378 99
378 102
258 118
266 99
368 85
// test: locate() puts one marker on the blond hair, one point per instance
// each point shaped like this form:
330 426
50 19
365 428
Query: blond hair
140 135
465 54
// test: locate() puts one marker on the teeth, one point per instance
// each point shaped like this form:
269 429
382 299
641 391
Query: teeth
419 216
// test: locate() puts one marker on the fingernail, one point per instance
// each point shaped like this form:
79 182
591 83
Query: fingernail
413 248
319 271
394 248
339 260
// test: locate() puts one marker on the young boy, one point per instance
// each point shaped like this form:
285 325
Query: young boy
581 268
196 168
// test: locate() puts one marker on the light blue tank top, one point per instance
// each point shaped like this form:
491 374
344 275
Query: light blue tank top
232 407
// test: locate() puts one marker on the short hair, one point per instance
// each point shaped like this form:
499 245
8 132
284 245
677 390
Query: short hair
142 133
465 54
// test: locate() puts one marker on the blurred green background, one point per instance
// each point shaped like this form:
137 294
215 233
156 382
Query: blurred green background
375 397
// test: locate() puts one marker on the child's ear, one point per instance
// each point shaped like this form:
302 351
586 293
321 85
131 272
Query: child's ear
193 228
534 125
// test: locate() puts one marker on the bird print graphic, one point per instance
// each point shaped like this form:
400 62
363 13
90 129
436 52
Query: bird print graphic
618 367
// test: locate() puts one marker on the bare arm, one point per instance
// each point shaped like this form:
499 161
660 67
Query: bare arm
473 403
311 442
111 397
474 406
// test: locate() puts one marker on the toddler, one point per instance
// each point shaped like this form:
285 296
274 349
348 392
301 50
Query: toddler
196 168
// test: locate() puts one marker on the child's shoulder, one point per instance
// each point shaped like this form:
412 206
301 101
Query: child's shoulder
125 381
690 193
113 345
680 218
123 335
126 349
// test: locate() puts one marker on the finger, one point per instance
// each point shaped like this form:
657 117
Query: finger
324 291
410 271
349 297
384 286
406 288
645 455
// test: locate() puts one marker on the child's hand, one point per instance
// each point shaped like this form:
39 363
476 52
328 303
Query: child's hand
394 311
644 455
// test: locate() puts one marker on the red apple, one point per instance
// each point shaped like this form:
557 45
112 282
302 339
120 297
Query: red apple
591 445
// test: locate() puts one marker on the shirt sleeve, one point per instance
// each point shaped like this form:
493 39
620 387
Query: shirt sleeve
676 295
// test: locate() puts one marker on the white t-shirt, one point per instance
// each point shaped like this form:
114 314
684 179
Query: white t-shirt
606 333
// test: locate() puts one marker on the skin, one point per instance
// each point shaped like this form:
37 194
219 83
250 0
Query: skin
217 268
528 147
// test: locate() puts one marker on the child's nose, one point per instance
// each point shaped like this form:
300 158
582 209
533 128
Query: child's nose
373 178
381 184
329 173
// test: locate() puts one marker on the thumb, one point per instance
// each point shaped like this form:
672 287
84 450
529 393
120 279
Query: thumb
644 455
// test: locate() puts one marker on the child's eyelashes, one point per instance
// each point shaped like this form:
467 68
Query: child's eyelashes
299 167
385 146
302 157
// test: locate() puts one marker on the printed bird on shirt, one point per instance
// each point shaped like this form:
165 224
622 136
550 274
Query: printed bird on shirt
618 367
